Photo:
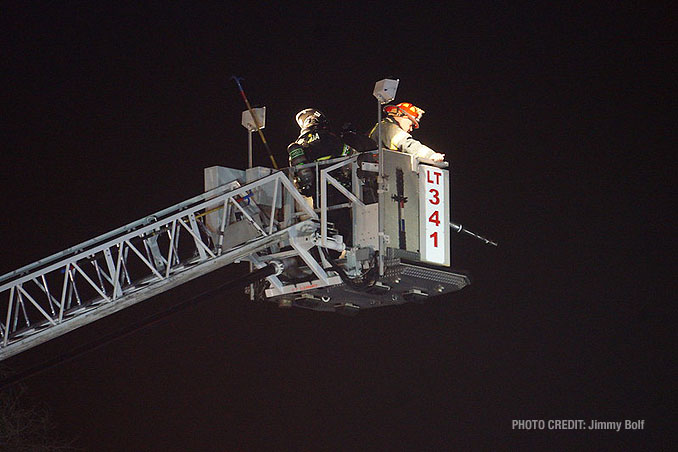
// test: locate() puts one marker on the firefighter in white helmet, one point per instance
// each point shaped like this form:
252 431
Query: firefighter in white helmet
316 142
401 119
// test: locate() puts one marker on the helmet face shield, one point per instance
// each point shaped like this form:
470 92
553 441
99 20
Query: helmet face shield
310 116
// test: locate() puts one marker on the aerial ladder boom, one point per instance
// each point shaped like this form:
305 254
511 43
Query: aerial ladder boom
101 276
375 233
324 249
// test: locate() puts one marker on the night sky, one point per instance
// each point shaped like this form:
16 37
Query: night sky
553 120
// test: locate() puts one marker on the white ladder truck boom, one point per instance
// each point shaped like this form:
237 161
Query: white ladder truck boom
103 275
325 258
255 216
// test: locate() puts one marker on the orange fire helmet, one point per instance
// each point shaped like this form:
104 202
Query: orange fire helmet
406 109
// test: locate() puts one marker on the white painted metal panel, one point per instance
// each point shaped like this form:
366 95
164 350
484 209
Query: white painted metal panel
434 233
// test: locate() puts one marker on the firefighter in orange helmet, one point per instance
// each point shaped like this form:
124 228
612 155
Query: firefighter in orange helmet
401 119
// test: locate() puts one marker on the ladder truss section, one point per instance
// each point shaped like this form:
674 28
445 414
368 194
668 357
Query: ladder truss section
133 263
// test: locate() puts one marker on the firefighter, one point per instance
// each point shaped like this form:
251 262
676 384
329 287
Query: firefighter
315 142
401 119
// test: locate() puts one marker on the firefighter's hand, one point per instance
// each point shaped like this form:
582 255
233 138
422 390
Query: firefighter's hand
436 157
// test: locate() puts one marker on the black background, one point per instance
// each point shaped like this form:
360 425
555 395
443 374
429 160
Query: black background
554 119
